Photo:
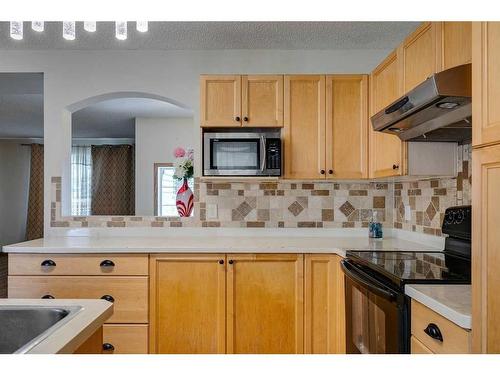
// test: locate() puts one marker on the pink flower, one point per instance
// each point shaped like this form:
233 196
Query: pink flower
179 152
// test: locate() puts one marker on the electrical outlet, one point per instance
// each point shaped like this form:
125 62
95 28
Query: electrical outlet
211 211
407 213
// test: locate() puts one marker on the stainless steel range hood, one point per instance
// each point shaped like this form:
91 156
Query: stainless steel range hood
437 110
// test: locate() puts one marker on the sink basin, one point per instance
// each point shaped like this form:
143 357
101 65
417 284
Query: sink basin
23 327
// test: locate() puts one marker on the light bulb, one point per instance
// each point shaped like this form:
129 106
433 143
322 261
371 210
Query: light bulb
16 30
90 26
142 26
121 30
37 26
69 32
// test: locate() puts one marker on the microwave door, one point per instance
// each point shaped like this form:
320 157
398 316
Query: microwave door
234 156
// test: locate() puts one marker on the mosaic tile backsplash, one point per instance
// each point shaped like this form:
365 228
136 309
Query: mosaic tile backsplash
304 204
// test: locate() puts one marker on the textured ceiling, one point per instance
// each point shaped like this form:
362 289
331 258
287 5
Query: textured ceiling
218 35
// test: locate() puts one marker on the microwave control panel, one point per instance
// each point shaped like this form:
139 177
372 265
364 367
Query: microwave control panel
273 153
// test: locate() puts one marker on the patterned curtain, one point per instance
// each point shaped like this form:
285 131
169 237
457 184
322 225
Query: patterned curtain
113 180
34 225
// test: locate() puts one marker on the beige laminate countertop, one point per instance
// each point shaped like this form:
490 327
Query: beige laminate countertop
90 316
451 301
336 242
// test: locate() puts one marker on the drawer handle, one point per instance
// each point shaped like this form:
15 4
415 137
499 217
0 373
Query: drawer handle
221 261
107 263
48 263
48 296
108 298
108 347
433 331
231 261
395 166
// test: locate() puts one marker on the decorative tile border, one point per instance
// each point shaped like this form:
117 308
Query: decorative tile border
303 204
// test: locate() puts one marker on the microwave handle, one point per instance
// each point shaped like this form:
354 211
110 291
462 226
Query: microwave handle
366 281
263 153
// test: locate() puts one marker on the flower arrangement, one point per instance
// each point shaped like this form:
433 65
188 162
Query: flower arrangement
183 163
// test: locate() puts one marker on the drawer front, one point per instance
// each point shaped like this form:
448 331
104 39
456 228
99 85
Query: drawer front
130 293
125 339
78 264
418 348
456 340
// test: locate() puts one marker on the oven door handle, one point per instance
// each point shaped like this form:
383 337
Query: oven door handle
263 153
365 280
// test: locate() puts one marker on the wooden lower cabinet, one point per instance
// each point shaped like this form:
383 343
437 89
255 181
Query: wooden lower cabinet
265 304
324 327
125 339
92 345
129 294
418 348
187 303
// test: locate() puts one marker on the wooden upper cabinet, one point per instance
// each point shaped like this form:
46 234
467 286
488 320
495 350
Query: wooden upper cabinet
220 98
386 151
262 100
486 83
456 39
420 55
486 254
304 131
265 307
324 305
187 304
346 126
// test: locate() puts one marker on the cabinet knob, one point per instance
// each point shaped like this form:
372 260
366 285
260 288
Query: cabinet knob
395 166
237 118
433 331
107 263
231 261
322 171
108 347
221 261
48 263
245 119
108 298
330 171
48 296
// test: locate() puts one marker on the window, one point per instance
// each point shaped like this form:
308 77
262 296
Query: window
81 180
166 187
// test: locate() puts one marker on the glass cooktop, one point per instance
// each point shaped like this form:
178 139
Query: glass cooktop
415 267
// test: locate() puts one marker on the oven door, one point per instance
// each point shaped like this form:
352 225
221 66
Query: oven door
376 315
234 154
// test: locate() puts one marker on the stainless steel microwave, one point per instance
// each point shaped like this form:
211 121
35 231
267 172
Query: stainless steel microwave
256 153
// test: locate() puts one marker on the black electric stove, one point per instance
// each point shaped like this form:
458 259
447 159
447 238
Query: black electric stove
375 283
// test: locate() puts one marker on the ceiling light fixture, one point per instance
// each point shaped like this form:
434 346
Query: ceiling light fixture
37 26
142 26
16 30
69 32
90 26
121 30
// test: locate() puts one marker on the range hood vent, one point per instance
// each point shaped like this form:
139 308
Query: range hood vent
437 110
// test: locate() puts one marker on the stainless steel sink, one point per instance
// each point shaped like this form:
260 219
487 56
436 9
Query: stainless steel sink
23 327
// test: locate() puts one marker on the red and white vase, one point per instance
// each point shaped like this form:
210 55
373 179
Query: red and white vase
185 200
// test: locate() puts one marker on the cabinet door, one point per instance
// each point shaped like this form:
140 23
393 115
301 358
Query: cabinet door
486 254
456 39
265 312
486 83
220 100
346 126
187 304
304 132
420 55
262 100
386 150
324 305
